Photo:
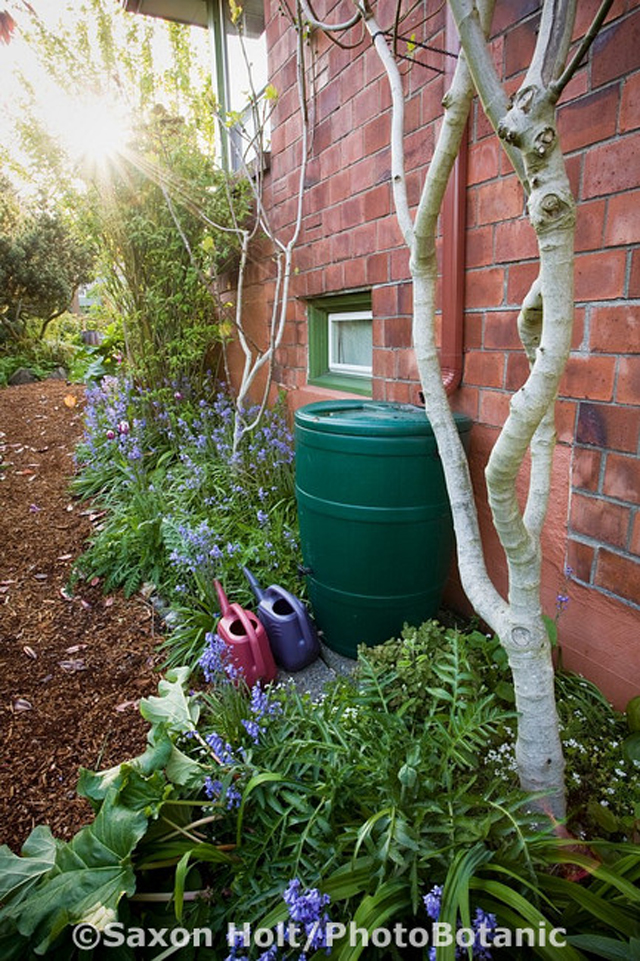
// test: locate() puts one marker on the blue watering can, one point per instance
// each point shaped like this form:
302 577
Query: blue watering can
285 618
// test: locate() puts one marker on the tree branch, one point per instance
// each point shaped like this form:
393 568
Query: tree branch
492 95
556 88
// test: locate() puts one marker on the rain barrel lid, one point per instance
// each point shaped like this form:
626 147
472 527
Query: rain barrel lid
369 418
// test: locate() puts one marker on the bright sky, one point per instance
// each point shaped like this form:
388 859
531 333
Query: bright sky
82 124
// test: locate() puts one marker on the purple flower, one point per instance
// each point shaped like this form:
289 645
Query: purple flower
484 925
214 789
432 902
123 427
261 705
216 663
222 749
307 908
253 729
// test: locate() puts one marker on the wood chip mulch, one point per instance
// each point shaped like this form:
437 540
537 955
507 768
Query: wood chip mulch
72 668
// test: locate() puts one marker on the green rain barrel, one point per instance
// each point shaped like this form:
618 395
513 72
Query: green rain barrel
375 524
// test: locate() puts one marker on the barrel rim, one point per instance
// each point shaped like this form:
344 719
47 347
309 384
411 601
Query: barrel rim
317 417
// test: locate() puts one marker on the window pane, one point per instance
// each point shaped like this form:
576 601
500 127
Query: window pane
350 342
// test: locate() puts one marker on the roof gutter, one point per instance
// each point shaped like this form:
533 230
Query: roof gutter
453 244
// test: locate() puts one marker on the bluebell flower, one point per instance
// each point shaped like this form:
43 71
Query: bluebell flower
308 909
270 955
253 729
216 661
214 789
433 901
222 749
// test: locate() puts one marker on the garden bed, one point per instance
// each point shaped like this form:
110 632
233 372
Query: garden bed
72 667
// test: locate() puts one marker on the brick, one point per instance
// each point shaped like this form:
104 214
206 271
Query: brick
407 367
503 16
609 427
585 468
611 167
628 386
574 167
580 559
500 200
519 280
484 368
334 277
578 86
400 393
515 240
622 478
630 104
384 301
588 378
623 221
376 135
634 545
483 161
616 50
577 335
384 364
566 411
353 212
472 339
479 247
378 201
517 370
494 407
397 332
519 46
618 574
484 288
600 276
590 225
465 401
589 120
615 330
501 330
634 275
586 11
377 269
599 519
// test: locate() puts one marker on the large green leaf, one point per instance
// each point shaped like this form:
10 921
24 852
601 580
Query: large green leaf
90 875
95 784
19 873
172 706
608 948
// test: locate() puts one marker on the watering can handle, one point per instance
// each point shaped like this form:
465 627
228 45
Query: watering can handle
225 607
253 584
245 620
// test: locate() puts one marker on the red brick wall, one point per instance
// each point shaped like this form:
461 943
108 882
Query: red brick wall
350 240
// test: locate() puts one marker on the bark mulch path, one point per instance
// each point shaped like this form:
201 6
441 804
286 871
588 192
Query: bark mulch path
72 669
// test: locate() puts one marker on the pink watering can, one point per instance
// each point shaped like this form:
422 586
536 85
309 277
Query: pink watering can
246 640
291 633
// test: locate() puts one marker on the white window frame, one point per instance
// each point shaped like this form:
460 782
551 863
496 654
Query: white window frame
335 366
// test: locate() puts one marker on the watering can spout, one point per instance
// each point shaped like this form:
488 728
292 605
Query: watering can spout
253 584
286 620
225 606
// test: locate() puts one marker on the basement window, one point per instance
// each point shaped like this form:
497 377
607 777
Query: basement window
341 342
